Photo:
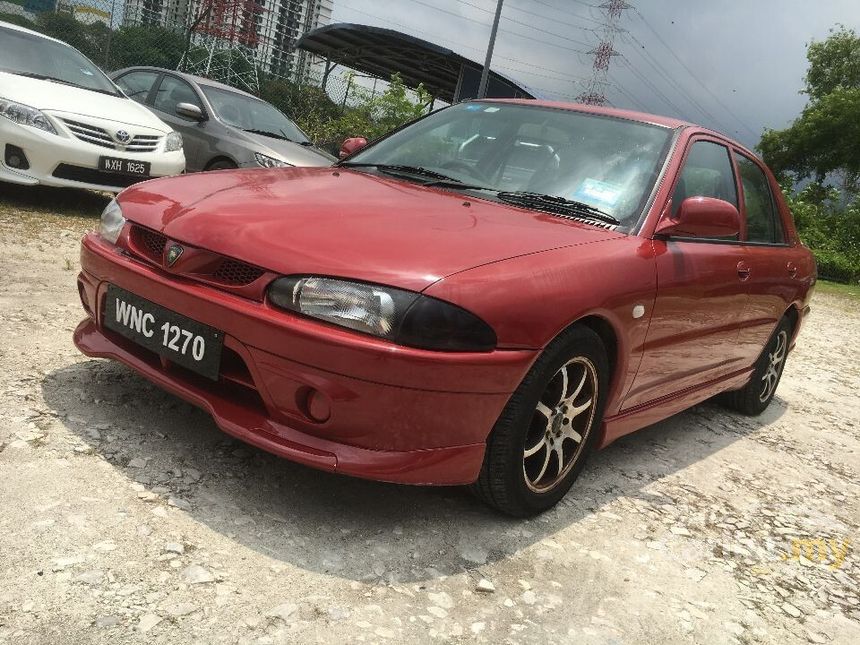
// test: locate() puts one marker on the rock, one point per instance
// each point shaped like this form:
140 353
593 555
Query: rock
485 586
196 575
104 622
477 628
137 462
529 597
283 611
656 546
338 613
159 511
180 609
733 628
147 622
680 530
437 611
816 637
147 496
384 632
442 599
791 610
61 564
91 577
192 474
178 502
174 547
474 553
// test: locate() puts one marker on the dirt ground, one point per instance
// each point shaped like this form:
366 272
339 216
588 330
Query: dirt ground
128 517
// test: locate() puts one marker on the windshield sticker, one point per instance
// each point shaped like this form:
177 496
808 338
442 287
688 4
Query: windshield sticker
492 109
473 108
598 193
86 71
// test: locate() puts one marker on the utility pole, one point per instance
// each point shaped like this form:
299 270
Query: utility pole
485 74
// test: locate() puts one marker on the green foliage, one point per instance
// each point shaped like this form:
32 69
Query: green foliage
833 63
17 19
145 45
831 231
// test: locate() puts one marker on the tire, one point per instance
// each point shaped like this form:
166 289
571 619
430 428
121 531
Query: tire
221 164
522 484
755 396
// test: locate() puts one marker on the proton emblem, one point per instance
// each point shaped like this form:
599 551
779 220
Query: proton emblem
122 136
173 254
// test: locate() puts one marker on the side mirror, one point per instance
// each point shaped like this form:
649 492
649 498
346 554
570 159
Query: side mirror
702 217
189 111
351 145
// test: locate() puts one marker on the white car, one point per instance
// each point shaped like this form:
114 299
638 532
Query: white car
63 122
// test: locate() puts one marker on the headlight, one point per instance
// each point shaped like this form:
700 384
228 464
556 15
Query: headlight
173 142
112 222
25 115
403 317
271 162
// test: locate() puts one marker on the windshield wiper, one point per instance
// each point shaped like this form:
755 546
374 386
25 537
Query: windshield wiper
556 204
54 79
266 133
400 169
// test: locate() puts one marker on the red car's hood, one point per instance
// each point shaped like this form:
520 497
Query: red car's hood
345 223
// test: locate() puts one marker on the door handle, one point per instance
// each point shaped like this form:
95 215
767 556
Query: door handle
744 270
791 267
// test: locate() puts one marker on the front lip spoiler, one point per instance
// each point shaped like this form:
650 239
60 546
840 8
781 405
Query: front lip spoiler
448 466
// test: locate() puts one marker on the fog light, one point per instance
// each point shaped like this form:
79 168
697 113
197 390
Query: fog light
317 406
15 157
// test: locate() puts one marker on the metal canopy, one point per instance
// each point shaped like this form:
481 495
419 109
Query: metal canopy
383 52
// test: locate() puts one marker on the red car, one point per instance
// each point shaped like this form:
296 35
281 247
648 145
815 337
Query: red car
481 297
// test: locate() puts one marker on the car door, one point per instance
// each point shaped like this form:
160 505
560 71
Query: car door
773 274
701 289
172 91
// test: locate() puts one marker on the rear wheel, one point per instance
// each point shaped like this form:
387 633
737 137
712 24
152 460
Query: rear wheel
755 396
543 438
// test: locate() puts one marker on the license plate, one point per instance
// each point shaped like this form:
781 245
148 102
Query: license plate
124 166
183 341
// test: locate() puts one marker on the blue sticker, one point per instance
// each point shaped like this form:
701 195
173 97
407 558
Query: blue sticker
474 107
598 193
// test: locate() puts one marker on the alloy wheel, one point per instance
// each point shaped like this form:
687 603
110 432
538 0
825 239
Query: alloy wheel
562 420
774 366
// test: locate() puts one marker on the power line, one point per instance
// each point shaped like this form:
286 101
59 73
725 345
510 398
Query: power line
694 77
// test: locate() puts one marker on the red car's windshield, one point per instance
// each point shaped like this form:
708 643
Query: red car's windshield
608 163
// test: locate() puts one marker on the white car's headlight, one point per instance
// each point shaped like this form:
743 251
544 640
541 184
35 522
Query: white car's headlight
173 142
25 115
403 317
112 222
271 162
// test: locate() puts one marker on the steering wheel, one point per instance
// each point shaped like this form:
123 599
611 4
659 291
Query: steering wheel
462 166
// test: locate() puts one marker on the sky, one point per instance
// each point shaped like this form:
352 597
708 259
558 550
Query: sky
736 66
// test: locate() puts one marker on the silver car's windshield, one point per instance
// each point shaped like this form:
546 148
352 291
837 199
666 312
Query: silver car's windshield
609 164
252 115
36 57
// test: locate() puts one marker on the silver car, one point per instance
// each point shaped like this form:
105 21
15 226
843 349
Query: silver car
222 127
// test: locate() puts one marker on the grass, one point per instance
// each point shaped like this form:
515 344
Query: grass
835 288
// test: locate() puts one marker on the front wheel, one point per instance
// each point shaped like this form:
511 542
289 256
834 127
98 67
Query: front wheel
755 396
543 438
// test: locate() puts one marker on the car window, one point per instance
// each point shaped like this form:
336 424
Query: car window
136 85
607 163
251 114
37 57
172 92
763 221
707 173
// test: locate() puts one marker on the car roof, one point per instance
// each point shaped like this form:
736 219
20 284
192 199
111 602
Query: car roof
630 115
14 27
200 80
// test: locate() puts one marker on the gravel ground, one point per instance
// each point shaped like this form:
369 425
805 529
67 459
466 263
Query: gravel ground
128 517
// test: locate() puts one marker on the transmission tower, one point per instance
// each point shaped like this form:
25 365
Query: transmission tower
595 91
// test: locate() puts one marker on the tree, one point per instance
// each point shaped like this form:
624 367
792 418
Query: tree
824 139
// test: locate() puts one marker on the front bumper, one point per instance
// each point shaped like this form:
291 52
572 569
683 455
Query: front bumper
63 160
394 413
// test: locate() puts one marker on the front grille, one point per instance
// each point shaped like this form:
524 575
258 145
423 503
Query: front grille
235 273
93 176
148 243
99 137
